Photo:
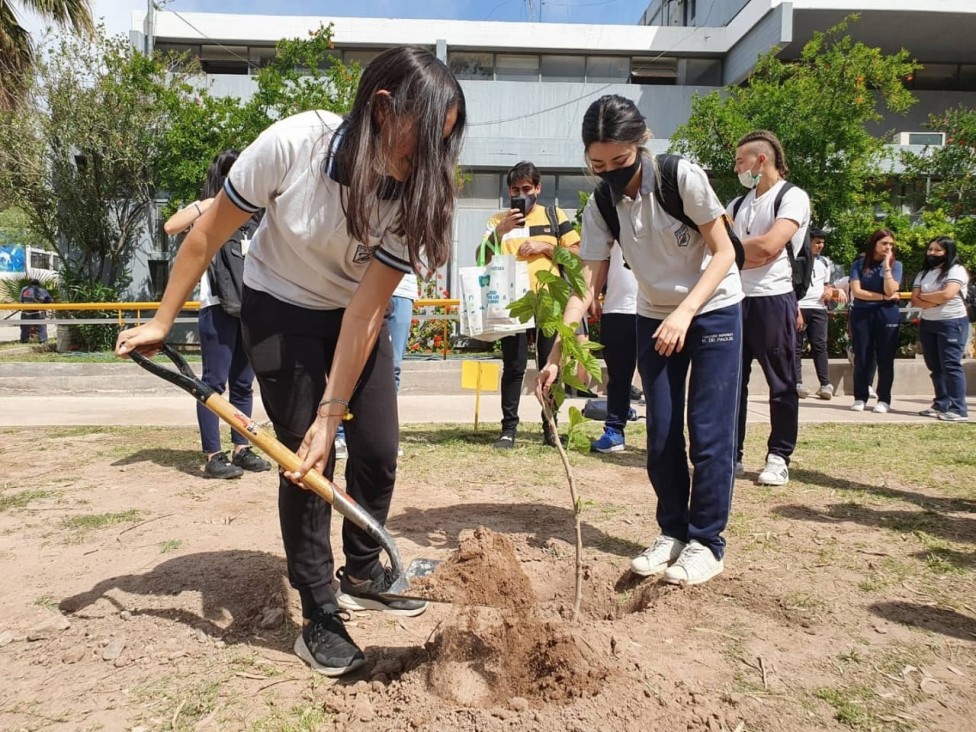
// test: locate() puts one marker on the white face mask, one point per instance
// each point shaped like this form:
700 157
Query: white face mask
748 179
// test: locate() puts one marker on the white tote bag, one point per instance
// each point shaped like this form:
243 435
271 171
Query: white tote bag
486 293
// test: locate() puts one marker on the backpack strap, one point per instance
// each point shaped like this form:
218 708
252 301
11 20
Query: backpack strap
737 204
666 191
607 209
779 199
554 223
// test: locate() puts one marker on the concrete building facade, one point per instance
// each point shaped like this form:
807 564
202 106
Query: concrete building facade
528 84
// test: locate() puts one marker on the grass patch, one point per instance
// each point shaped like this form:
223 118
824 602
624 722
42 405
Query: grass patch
169 546
850 705
81 526
21 499
300 718
37 354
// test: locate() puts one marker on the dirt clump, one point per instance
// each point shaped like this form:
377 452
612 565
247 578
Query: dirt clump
496 646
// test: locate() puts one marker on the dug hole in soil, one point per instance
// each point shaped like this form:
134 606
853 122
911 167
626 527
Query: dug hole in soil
497 646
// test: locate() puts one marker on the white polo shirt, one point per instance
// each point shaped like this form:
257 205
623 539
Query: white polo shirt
756 218
407 287
666 256
302 253
813 300
621 297
929 282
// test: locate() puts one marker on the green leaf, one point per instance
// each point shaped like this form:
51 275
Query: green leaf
524 308
576 418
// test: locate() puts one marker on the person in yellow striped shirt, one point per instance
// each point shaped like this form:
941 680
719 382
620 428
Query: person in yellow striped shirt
531 232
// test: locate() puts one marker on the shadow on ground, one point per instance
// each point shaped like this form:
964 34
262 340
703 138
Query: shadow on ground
440 527
186 461
924 617
234 587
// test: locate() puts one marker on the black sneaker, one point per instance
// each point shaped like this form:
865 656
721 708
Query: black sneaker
506 441
635 394
249 461
366 595
219 466
549 439
585 394
325 645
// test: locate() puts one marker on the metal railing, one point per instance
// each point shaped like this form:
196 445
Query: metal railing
135 313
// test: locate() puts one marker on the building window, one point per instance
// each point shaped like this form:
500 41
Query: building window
967 78
261 56
472 65
563 68
568 189
607 68
187 53
509 67
158 277
224 59
361 57
480 190
644 70
936 77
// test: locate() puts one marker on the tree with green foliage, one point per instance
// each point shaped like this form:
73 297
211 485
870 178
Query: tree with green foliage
950 169
819 107
304 74
17 53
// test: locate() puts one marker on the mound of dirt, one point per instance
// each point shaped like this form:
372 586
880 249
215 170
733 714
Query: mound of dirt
496 646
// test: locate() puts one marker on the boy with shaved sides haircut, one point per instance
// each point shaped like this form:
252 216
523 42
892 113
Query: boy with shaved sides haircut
771 217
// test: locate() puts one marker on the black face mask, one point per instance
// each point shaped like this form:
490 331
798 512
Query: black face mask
618 178
934 260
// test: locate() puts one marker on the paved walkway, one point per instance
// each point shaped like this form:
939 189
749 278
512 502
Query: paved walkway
18 410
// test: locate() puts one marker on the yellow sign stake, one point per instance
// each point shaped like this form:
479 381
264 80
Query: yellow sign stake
480 376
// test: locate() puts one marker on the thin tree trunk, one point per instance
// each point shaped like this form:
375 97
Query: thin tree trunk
578 592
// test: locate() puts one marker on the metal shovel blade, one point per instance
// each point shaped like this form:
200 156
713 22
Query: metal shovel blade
400 589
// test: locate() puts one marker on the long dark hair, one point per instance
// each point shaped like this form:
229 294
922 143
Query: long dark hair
867 253
613 118
768 138
218 171
421 90
952 258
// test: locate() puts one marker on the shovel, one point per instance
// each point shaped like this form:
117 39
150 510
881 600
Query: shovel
313 480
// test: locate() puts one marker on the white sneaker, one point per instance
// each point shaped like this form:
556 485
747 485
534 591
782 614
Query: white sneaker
656 558
696 564
341 452
872 394
826 392
857 406
881 408
802 391
776 472
740 469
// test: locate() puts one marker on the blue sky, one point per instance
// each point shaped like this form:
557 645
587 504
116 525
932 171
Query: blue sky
557 11
117 14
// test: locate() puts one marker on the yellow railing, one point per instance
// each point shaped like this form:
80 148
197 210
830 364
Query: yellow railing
122 308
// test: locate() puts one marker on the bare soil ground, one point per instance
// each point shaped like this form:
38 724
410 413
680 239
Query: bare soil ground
137 596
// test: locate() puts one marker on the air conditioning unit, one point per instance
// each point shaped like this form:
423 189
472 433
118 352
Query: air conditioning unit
933 139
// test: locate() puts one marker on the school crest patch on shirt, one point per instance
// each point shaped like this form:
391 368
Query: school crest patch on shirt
363 254
683 236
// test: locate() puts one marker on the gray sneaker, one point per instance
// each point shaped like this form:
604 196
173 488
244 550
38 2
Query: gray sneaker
368 594
740 469
826 392
952 417
930 412
802 391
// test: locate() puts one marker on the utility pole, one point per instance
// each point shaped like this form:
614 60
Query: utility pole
150 7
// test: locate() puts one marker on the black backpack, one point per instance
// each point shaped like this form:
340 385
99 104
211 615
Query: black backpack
226 271
669 197
802 263
969 298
